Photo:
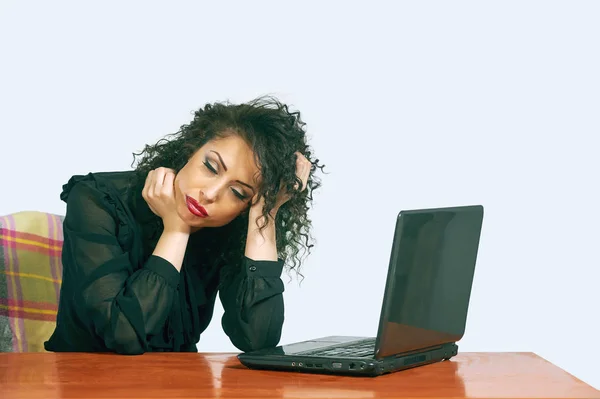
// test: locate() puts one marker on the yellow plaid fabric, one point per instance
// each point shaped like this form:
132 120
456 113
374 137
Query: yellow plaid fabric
30 278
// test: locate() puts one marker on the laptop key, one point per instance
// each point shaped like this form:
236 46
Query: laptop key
359 349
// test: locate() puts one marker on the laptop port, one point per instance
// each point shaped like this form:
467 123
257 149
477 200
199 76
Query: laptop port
336 365
318 365
352 366
309 365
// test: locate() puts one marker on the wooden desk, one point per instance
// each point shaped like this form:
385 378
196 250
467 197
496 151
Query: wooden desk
176 375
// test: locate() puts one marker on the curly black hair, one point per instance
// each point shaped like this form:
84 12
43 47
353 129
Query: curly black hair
274 134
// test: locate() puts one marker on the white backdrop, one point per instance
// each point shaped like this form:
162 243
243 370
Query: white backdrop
409 104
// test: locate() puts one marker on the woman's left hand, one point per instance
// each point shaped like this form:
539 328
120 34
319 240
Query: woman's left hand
303 167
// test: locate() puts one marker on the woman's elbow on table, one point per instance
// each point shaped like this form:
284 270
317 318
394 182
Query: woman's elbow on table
113 330
128 344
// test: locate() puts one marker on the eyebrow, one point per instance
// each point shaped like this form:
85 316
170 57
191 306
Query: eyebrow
225 167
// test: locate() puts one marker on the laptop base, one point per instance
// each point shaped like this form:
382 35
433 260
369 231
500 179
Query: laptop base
351 366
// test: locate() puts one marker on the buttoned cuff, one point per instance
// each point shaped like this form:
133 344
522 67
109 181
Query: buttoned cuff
163 268
263 268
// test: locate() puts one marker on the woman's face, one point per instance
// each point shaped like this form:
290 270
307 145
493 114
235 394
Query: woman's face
217 183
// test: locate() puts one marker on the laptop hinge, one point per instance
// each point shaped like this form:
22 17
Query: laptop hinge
418 350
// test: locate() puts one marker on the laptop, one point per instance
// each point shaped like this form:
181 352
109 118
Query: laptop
425 303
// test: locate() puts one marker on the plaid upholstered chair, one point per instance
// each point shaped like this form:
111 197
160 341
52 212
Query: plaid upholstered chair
30 278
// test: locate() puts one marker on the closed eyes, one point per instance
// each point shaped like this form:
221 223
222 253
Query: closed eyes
235 192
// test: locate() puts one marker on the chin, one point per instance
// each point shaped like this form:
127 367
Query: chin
186 216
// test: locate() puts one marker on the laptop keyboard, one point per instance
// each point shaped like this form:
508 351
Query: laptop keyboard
356 349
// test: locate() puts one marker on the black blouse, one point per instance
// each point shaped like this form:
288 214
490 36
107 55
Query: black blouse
116 296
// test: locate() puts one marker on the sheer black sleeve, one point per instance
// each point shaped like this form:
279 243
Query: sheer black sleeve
120 304
253 305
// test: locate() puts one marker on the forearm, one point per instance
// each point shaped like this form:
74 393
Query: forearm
253 304
261 244
252 300
171 247
124 309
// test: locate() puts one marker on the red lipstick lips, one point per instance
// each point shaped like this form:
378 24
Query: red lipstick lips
195 207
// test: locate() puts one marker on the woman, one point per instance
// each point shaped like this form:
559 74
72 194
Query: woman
220 206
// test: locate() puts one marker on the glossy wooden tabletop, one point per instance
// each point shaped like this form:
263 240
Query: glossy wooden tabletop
176 375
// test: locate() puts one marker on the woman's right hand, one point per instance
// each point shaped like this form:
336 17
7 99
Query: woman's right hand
159 194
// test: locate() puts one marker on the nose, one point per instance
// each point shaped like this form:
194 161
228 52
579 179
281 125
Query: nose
210 194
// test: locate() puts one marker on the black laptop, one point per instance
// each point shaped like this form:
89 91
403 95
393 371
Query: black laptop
425 303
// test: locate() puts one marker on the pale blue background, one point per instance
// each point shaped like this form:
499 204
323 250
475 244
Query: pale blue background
409 104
